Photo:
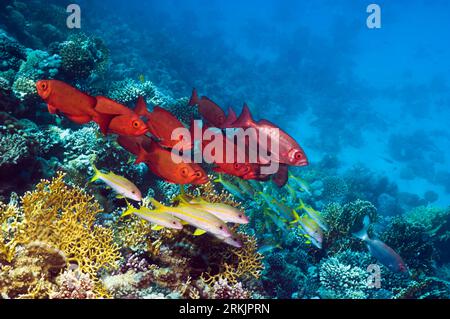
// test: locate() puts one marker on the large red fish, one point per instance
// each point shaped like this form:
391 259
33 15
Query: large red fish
210 111
160 162
161 124
63 99
211 155
289 153
124 121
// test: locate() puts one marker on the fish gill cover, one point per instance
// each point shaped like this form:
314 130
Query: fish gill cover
99 199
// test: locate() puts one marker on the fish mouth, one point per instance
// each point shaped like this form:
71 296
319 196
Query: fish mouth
142 131
302 162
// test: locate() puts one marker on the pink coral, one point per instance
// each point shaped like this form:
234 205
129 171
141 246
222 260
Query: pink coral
74 285
223 290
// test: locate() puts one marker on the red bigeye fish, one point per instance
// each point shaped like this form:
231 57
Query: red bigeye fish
132 143
210 111
161 123
66 100
289 153
160 162
382 252
124 121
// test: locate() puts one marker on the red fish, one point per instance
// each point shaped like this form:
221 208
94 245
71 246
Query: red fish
210 111
289 153
66 100
132 143
160 162
124 121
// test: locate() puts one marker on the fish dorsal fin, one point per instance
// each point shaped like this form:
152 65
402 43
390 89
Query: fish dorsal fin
232 117
245 119
141 107
141 155
199 232
194 98
156 204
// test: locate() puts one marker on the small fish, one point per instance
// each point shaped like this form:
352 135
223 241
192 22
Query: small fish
311 229
141 78
302 184
382 252
227 213
266 248
287 213
122 186
313 214
210 111
124 122
246 187
161 219
64 99
202 220
276 220
292 192
230 187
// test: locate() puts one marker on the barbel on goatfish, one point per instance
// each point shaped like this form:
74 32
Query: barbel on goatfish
202 220
310 228
226 213
382 252
302 184
158 218
122 186
314 214
230 187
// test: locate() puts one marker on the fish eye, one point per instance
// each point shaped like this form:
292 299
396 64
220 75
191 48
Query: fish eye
221 227
240 216
133 192
44 85
298 155
198 174
135 124
184 171
236 165
174 223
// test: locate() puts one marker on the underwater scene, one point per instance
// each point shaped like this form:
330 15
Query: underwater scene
224 149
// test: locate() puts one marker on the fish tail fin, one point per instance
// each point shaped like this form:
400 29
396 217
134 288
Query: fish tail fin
97 173
141 107
218 179
296 217
362 234
194 98
302 205
128 210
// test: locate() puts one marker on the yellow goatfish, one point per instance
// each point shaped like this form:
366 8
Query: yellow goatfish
226 213
122 186
314 215
303 185
202 220
160 219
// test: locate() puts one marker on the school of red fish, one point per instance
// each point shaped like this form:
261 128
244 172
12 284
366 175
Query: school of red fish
148 134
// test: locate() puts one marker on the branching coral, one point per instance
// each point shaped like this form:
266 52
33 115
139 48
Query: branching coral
343 220
73 285
13 148
63 218
340 281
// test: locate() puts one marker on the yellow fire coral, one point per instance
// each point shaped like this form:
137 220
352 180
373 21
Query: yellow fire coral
62 217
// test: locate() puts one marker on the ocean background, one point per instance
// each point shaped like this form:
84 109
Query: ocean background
370 108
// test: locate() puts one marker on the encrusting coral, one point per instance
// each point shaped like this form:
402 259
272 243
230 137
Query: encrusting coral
63 218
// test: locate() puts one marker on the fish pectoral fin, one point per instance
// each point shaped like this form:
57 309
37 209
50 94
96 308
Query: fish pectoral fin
120 196
199 232
157 227
51 109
